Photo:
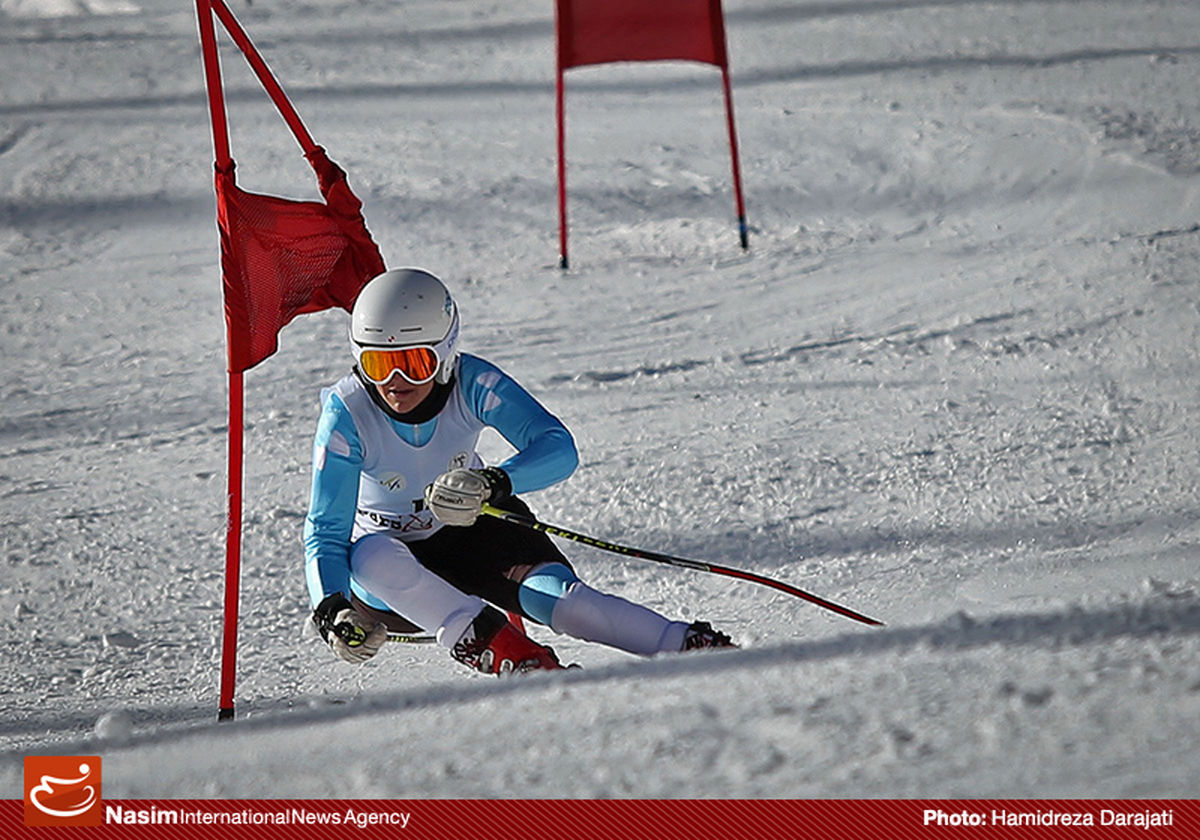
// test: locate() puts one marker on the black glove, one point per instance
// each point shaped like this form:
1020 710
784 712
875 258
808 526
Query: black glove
348 633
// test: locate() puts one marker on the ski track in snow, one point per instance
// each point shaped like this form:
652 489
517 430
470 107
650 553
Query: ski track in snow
950 385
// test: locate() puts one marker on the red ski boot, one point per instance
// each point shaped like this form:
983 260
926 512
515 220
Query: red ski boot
492 645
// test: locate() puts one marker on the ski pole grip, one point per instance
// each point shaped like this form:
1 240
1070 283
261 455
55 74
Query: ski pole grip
351 634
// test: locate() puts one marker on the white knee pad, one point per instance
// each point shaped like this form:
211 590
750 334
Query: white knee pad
596 617
386 568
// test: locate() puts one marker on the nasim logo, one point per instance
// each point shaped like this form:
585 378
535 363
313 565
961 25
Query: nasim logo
62 790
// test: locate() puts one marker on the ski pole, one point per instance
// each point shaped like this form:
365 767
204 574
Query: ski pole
353 635
428 638
411 638
697 565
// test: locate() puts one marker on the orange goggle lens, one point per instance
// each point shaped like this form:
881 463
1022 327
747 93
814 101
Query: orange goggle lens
416 364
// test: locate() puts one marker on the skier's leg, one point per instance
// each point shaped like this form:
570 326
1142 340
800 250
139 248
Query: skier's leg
386 568
478 635
554 595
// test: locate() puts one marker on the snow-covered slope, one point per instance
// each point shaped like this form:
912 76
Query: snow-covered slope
952 385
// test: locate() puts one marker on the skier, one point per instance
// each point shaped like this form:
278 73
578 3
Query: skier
394 537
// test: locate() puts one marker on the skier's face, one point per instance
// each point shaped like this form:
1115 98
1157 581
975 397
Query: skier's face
401 395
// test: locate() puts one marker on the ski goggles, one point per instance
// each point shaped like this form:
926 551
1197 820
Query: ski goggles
417 364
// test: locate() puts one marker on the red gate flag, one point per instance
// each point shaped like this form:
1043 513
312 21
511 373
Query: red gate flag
603 31
637 30
279 258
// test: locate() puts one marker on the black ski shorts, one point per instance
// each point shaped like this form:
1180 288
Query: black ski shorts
479 560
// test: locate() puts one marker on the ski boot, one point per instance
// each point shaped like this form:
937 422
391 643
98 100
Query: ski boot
700 634
492 645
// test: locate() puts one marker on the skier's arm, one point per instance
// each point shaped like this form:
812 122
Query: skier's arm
546 451
337 462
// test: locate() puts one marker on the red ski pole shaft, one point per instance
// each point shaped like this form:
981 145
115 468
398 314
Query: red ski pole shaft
682 562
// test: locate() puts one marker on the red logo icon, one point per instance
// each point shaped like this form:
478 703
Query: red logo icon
62 790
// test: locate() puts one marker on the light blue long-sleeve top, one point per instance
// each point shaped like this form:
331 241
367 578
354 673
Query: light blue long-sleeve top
545 455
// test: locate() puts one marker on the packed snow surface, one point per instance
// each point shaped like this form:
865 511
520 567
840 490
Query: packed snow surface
952 384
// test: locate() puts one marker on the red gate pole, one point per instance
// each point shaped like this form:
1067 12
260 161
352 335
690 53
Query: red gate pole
263 72
233 516
233 547
562 173
212 82
562 25
743 233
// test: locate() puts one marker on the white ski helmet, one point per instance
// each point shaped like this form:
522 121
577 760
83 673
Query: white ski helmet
405 308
